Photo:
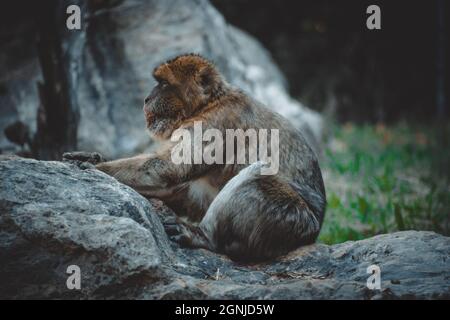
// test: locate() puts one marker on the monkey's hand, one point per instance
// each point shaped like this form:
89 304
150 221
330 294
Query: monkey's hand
82 159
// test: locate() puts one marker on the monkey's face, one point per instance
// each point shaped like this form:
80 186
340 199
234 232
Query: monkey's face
185 85
163 109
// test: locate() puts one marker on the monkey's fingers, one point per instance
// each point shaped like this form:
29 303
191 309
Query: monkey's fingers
187 236
86 165
172 228
167 218
183 240
82 156
76 155
81 165
179 233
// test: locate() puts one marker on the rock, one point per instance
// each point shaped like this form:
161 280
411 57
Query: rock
122 45
53 215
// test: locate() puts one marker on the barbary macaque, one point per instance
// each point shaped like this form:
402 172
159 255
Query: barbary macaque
227 206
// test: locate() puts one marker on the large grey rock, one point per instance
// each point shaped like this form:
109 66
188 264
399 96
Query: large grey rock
122 46
53 215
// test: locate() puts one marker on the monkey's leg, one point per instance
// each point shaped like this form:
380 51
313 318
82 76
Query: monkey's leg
255 218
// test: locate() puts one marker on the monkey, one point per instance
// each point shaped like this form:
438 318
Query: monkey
228 208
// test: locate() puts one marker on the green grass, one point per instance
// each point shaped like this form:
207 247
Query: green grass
383 179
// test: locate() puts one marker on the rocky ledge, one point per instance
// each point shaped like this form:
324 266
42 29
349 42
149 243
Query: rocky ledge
54 215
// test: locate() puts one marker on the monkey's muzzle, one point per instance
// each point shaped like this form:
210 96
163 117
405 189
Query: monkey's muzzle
149 117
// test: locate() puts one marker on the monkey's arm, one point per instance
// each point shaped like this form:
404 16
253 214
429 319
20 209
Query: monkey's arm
153 174
128 170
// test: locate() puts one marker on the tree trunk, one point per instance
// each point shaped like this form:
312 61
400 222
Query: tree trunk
60 52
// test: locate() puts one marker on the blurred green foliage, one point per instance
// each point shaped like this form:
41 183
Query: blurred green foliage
382 179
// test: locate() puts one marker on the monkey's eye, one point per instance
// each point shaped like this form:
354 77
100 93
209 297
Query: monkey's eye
163 84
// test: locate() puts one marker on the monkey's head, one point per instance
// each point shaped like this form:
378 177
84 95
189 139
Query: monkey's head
185 86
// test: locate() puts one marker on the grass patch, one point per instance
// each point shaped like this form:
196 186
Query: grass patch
382 179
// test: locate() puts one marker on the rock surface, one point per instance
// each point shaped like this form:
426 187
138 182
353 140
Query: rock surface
122 45
53 215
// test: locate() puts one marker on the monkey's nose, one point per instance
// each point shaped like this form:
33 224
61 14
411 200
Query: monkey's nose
147 99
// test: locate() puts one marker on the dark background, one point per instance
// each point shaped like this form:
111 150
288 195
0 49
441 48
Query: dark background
331 60
334 63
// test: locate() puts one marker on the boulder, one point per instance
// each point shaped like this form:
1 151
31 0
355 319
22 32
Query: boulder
54 215
121 44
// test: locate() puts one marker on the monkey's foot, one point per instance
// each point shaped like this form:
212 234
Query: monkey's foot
186 235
